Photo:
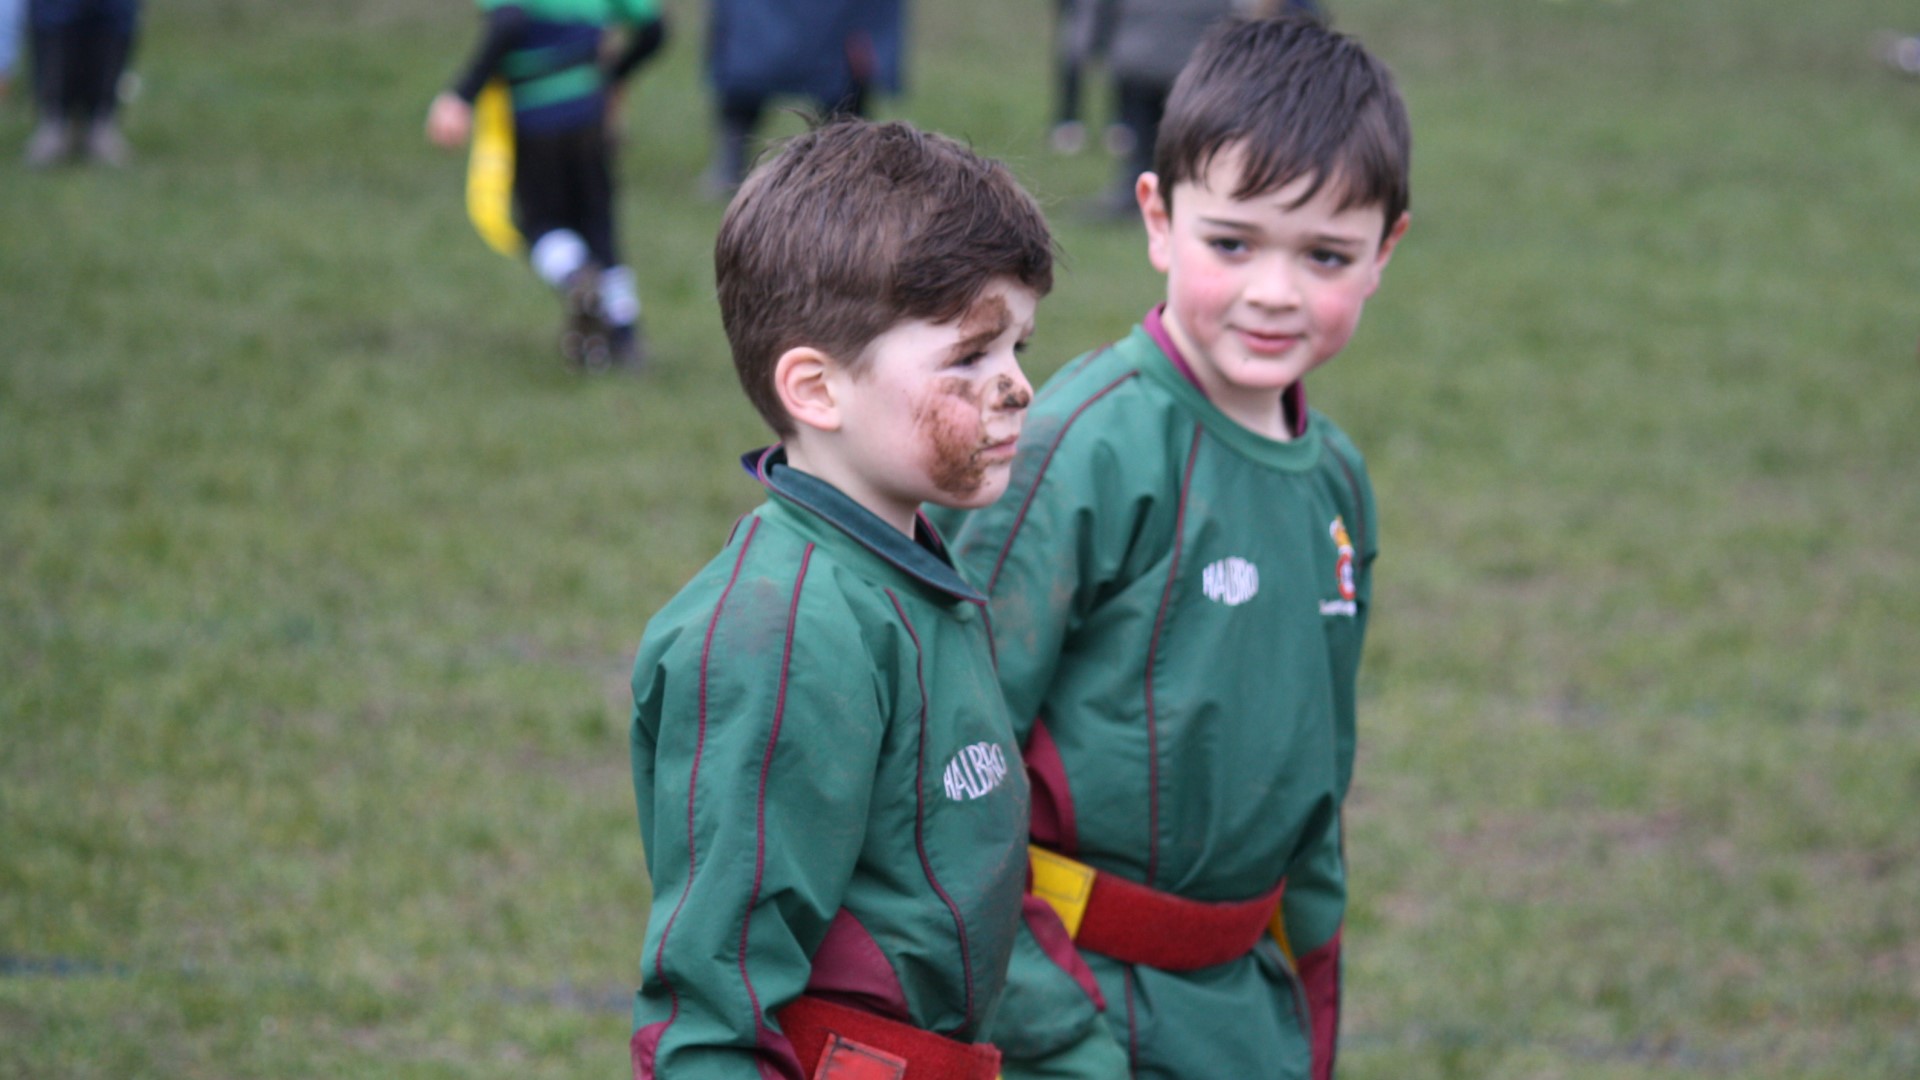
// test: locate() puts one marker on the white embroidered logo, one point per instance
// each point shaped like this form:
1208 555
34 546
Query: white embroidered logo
1231 581
975 771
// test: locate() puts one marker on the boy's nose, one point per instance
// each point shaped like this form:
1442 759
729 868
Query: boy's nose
1011 391
1274 286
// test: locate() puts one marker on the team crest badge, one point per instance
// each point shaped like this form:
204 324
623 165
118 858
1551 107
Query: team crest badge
1343 569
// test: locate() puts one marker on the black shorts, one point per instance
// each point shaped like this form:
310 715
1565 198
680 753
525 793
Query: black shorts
564 180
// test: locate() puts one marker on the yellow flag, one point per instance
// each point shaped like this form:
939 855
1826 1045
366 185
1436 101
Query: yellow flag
1063 883
490 172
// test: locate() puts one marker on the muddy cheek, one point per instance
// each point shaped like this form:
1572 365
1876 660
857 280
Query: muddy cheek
952 439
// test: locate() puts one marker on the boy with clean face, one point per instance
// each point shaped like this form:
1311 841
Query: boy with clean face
1180 577
827 779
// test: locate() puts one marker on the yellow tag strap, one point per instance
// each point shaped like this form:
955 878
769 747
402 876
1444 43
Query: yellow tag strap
1278 928
1062 883
490 171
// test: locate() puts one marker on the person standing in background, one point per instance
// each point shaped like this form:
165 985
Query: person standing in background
1147 43
835 53
80 51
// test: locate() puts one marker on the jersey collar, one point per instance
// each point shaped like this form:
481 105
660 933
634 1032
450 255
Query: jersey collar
1293 399
923 558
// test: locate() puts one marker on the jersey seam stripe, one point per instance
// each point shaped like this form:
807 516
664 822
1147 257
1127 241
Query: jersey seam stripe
1359 503
919 810
766 770
1026 504
1153 649
693 776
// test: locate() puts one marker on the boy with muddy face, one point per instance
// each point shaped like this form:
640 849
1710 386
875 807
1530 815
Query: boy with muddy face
827 780
876 283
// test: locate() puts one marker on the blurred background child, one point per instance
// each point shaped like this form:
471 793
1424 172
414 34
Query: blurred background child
548 52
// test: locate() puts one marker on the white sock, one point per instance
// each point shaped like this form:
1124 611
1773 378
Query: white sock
557 255
618 296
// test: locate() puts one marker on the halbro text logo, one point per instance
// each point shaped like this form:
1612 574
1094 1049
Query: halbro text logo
1231 581
975 771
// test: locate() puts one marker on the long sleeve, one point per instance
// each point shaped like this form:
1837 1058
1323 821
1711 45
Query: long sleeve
643 42
503 25
755 741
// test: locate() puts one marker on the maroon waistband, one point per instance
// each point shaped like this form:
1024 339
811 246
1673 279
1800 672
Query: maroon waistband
839 1042
1129 921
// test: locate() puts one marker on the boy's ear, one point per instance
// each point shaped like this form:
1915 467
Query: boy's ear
1393 237
803 379
1157 218
1387 245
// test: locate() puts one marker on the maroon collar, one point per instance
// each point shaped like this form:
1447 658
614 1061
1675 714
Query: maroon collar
1293 400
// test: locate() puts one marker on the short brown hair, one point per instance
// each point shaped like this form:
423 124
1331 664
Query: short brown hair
1299 100
856 227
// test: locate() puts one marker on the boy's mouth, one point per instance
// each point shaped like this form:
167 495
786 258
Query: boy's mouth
1001 450
1263 343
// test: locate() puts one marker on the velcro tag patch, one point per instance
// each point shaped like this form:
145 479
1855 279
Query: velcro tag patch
1064 884
846 1059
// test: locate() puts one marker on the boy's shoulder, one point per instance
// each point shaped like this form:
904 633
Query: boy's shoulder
1106 396
1342 453
779 571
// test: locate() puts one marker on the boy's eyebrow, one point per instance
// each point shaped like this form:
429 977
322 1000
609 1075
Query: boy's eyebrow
983 323
1357 238
1230 223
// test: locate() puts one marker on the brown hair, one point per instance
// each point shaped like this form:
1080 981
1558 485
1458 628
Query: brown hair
1299 100
856 227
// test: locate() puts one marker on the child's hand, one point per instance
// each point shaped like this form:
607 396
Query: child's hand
449 121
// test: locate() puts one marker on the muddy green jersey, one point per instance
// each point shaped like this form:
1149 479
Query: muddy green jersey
828 788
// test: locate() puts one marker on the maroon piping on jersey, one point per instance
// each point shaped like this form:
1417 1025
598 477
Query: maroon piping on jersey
1153 648
693 782
919 808
760 800
1026 504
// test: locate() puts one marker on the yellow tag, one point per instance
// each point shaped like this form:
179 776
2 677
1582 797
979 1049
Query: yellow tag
490 171
1064 884
1278 928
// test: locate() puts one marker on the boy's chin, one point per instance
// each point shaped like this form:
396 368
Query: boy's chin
986 495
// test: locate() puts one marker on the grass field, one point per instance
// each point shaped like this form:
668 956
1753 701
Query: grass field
319 577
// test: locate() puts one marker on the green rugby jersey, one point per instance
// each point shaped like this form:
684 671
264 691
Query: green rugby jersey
828 787
1179 606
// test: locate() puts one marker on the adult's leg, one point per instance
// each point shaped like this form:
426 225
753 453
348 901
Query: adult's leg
48 24
737 115
1141 103
104 46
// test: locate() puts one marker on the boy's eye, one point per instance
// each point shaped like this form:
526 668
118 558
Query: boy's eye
1228 245
1333 260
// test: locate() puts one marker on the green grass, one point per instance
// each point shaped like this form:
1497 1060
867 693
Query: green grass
319 577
